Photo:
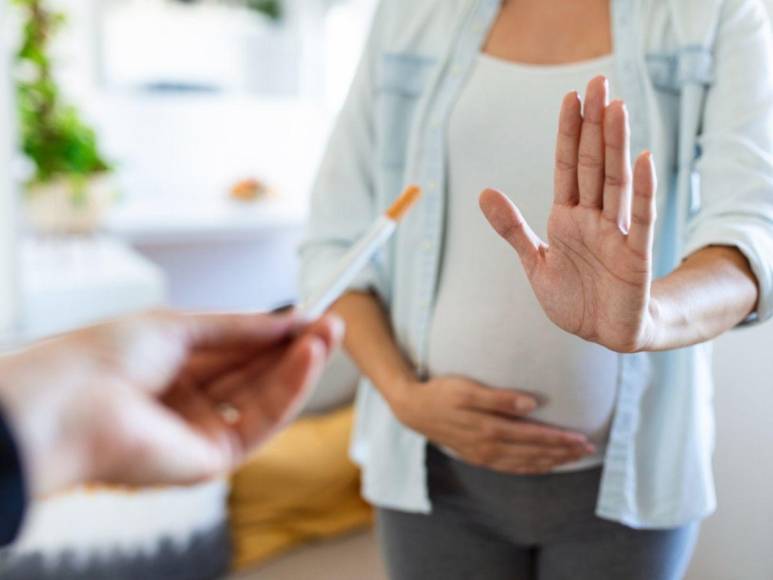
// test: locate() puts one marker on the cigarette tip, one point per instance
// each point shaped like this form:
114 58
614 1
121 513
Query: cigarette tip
404 203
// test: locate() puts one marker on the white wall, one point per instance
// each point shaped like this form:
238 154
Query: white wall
737 542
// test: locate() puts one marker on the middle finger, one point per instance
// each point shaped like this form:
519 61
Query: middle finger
590 170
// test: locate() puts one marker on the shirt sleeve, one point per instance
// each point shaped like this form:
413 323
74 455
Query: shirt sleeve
343 202
13 497
735 166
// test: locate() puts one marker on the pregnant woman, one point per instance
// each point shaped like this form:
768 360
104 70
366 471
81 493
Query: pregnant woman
549 417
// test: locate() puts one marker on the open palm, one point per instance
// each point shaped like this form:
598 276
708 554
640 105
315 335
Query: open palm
593 277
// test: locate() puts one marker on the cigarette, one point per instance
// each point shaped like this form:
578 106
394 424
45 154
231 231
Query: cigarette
358 256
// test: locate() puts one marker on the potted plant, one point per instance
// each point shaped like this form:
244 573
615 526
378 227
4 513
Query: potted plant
69 189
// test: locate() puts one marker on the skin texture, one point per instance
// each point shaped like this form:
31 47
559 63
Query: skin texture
593 276
141 401
550 32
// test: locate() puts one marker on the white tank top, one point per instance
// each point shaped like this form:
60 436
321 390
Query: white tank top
487 325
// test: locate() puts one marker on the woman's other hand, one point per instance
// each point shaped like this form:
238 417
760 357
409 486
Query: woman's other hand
593 278
487 427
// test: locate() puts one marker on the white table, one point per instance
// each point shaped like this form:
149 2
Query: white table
218 254
71 282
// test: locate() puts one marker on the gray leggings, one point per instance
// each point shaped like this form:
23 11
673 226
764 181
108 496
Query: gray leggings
490 526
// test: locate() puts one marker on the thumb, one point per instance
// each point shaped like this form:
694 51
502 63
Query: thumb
508 222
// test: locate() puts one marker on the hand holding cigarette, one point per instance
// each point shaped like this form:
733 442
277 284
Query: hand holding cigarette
141 400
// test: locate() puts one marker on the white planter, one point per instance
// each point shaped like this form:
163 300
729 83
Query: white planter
58 208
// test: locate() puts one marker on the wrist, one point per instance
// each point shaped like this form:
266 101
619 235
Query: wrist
397 393
651 329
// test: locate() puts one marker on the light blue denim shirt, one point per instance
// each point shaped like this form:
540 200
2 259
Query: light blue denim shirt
697 78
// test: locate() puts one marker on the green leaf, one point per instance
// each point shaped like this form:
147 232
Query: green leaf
54 137
270 8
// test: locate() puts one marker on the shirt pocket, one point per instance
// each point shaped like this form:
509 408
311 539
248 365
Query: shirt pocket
402 79
669 73
662 72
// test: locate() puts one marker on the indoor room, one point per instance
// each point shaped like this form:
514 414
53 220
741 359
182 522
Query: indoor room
475 357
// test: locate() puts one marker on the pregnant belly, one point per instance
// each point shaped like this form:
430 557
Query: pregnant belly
574 380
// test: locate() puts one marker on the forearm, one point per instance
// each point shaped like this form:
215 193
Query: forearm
372 345
711 292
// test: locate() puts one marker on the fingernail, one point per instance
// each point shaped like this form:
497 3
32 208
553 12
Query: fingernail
525 405
338 326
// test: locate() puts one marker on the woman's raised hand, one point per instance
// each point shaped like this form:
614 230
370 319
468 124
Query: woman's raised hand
594 274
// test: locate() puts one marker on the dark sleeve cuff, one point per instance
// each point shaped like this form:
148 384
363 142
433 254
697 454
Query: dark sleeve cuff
13 496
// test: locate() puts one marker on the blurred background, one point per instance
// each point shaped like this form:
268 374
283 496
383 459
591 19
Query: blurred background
162 152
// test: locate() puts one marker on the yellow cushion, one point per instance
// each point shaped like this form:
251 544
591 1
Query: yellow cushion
300 487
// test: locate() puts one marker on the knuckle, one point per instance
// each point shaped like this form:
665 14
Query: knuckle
613 181
590 160
564 165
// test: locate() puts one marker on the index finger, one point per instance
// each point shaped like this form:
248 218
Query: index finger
567 145
221 330
504 401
